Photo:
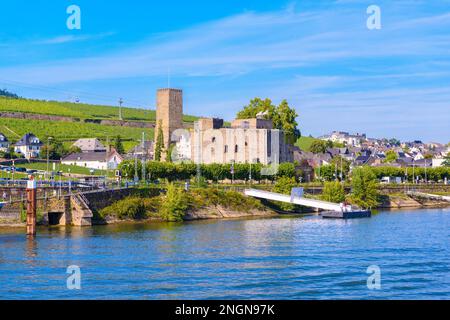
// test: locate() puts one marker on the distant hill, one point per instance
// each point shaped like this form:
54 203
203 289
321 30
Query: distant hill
78 110
68 132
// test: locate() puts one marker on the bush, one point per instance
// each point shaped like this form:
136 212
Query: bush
364 188
284 185
333 192
174 204
128 208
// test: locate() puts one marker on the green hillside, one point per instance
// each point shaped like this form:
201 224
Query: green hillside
69 132
304 143
78 110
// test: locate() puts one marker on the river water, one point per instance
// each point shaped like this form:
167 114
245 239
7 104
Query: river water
277 258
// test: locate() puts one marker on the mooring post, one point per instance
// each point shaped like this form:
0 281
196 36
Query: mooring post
31 207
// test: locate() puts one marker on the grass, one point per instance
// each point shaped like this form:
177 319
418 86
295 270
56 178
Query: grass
60 167
79 110
304 143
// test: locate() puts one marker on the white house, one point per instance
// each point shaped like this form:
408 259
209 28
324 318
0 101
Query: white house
4 143
29 146
94 160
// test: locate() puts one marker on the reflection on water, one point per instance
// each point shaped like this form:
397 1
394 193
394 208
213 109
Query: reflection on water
280 258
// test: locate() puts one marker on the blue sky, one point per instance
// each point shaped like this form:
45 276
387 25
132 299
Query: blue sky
319 55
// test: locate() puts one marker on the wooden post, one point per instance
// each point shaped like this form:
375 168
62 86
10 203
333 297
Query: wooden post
31 207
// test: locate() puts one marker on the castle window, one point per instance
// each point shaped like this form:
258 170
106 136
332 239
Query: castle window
225 149
213 139
236 148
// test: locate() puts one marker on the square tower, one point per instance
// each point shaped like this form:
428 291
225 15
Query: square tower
169 112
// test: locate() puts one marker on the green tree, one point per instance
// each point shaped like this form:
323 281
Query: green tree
175 204
6 93
286 169
333 192
256 106
284 185
118 145
55 150
285 119
364 188
159 142
446 162
318 146
391 156
338 163
283 116
73 149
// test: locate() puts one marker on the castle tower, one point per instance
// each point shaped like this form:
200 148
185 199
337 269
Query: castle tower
169 112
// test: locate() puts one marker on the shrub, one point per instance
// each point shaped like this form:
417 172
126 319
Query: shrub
128 208
333 192
174 204
364 188
284 185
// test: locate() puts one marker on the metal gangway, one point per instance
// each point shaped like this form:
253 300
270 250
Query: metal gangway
294 199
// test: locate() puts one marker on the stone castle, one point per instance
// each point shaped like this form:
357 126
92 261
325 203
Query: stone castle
245 141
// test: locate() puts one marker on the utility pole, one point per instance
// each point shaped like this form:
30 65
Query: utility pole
48 148
120 108
136 177
143 158
426 180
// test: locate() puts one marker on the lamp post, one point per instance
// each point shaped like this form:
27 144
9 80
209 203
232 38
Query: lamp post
48 156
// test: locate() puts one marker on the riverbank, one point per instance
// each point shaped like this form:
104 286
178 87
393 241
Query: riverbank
209 204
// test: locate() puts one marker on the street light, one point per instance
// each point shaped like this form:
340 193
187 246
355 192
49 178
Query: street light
48 156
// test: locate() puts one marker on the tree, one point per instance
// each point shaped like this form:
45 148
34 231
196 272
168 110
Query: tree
175 204
256 106
391 156
394 142
73 149
284 185
283 116
286 169
318 146
364 188
159 142
284 119
118 145
6 93
333 192
338 163
55 150
446 162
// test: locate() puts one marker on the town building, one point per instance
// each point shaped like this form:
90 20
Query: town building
346 138
4 143
141 151
90 145
102 160
29 146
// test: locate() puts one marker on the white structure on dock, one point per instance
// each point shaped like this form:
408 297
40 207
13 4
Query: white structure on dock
294 198
332 210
